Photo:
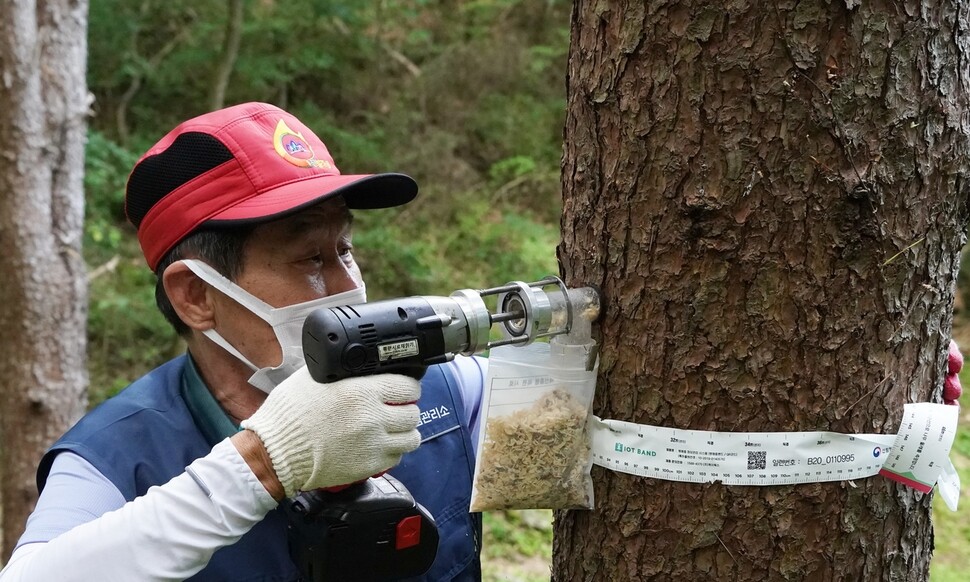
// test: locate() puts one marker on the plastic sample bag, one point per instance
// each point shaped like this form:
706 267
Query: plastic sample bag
534 448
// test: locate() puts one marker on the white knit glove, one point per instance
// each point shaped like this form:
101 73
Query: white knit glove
322 435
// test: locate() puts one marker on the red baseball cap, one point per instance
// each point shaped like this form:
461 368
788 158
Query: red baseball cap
245 164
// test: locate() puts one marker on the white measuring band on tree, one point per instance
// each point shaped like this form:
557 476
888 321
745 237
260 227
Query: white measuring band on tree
918 456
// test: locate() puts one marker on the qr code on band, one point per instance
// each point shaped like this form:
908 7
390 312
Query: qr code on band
757 459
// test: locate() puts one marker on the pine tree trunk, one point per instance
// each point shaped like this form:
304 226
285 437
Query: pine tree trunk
43 294
772 197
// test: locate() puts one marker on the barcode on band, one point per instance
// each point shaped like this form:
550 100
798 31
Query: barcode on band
757 460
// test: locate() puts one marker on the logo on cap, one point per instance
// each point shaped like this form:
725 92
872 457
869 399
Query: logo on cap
291 146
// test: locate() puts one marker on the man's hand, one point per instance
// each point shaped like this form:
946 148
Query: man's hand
951 384
322 435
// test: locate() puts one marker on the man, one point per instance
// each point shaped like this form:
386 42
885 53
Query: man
246 221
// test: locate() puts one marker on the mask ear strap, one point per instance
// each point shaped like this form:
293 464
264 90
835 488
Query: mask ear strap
237 293
220 341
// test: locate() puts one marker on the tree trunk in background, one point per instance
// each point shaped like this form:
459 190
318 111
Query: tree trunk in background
43 296
230 51
772 198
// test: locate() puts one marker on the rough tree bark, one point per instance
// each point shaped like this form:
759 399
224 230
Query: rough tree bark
43 296
772 197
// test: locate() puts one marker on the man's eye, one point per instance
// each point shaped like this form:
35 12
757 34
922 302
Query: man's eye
346 251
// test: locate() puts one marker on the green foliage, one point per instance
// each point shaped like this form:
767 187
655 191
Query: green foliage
106 168
509 169
514 124
127 335
517 545
474 246
518 533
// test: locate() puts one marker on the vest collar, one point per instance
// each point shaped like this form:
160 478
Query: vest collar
211 419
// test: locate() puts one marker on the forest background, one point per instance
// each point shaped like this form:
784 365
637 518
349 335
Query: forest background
468 97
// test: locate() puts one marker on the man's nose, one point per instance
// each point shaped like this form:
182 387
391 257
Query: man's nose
339 278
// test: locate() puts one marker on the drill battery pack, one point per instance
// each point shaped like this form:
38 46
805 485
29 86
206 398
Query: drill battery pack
371 531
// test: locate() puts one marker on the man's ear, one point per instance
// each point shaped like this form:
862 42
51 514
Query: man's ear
187 294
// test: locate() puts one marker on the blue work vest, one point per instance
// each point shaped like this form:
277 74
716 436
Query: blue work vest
146 435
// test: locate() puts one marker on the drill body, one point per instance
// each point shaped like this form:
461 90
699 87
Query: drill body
402 335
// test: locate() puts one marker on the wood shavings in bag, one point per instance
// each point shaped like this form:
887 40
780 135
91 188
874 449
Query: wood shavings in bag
536 457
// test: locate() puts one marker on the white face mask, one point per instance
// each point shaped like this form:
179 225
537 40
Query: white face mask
287 323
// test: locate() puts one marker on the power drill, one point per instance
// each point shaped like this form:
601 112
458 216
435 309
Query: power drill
374 530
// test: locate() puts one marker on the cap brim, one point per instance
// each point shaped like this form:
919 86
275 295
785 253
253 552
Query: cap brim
360 192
